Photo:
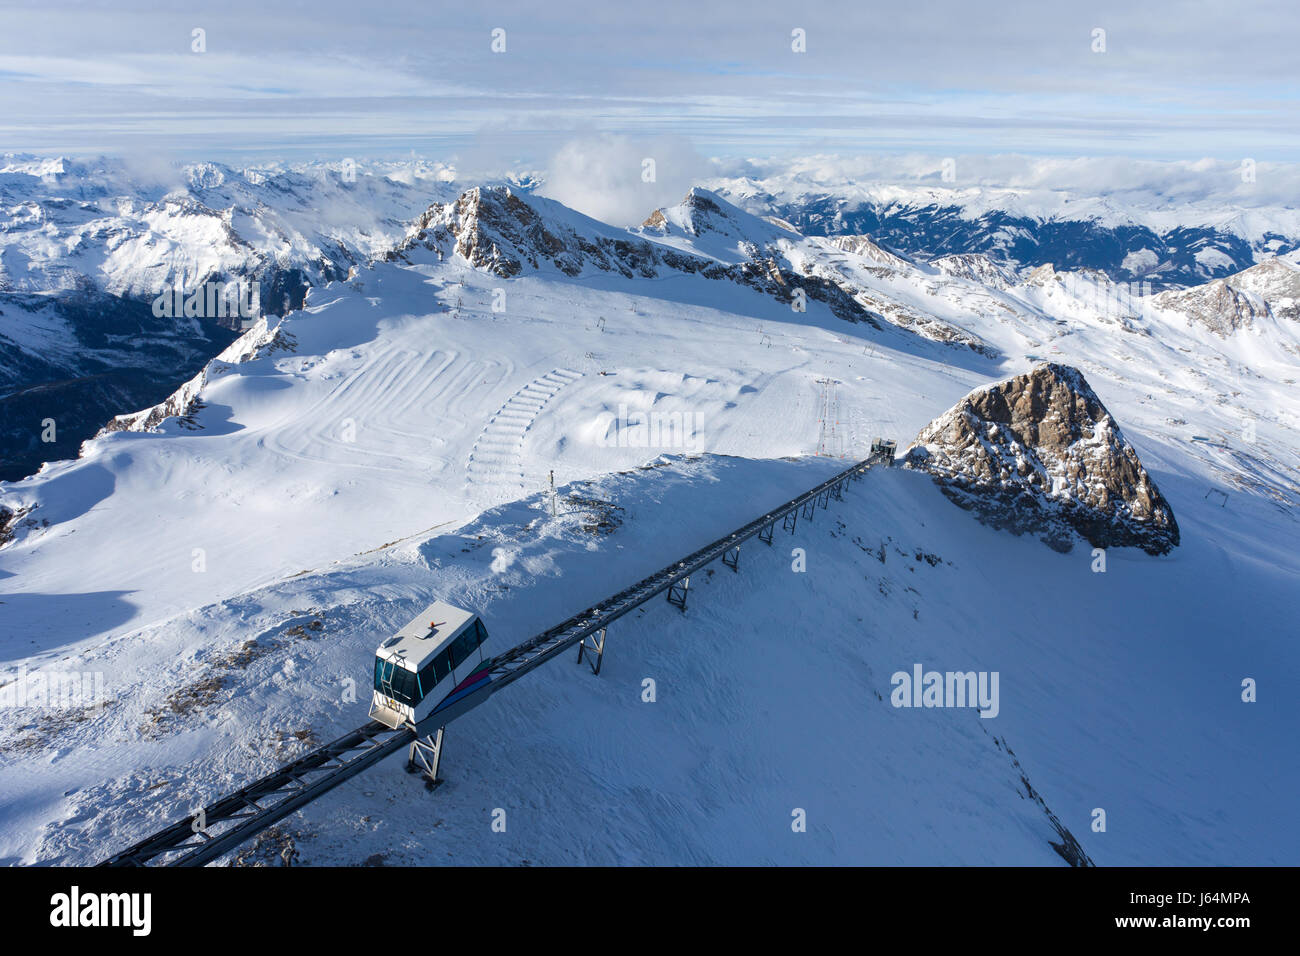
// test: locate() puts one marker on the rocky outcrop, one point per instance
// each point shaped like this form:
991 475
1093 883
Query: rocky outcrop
16 519
1216 305
9 517
1223 306
867 248
1040 454
495 229
1043 277
975 267
1277 282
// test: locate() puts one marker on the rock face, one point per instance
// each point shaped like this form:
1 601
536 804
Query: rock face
1040 454
495 229
976 268
1239 301
1217 306
864 246
1277 282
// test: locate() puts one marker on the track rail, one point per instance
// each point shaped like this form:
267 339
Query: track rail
223 825
508 667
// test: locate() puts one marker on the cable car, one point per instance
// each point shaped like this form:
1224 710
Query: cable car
884 448
421 658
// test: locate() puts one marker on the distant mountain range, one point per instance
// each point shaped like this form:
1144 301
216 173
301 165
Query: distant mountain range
1138 244
87 247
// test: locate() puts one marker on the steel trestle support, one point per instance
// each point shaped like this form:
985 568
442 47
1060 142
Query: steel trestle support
597 646
731 558
424 757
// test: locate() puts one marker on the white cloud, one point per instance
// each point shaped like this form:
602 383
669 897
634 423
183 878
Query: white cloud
1048 184
1176 80
606 176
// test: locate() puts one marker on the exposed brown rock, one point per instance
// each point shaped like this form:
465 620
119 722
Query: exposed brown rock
494 229
1039 453
1216 305
1277 282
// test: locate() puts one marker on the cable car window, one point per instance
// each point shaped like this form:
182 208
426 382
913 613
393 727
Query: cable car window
396 682
442 667
433 672
463 646
480 631
404 683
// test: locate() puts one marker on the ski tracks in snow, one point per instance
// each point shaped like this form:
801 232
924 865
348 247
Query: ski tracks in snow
392 411
495 469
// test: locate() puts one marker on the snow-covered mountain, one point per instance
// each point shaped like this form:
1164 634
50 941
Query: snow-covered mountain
1277 282
65 224
504 232
72 230
1148 239
392 441
1264 293
86 247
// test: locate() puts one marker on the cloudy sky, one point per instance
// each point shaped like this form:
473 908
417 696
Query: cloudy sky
332 78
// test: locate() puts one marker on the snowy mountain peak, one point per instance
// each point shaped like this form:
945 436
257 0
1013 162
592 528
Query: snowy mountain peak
205 175
502 231
1276 281
1040 453
977 268
716 226
1240 301
1216 305
866 247
1042 276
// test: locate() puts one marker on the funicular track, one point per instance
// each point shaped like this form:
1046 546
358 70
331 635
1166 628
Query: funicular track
225 824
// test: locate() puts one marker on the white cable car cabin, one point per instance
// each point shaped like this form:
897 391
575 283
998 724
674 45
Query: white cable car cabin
422 657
